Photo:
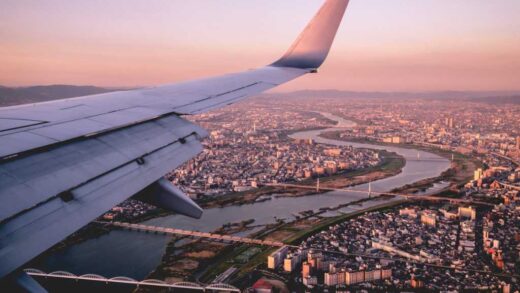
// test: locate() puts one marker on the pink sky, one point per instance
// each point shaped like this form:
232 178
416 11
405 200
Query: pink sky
381 45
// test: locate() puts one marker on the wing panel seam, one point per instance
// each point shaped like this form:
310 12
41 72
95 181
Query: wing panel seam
180 140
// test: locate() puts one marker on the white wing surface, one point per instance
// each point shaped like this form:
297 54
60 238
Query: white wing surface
64 163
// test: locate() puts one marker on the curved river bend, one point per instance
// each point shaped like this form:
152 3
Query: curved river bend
135 255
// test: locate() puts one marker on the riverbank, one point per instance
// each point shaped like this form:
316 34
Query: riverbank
391 164
291 233
194 257
201 260
460 172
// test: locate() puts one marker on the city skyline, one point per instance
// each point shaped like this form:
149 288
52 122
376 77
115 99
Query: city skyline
125 166
432 45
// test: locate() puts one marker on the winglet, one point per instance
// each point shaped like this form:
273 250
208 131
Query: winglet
313 45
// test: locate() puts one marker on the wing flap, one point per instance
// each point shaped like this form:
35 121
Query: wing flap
95 180
41 227
43 175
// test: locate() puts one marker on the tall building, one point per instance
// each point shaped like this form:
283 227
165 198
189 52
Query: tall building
275 259
416 282
478 174
306 270
354 277
291 261
288 264
449 122
331 279
310 281
386 273
372 275
341 277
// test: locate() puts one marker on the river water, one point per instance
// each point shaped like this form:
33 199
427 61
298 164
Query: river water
133 254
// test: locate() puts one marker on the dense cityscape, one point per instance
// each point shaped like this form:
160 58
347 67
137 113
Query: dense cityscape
242 154
406 246
326 146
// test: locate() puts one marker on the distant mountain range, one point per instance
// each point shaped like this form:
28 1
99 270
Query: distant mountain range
33 94
484 96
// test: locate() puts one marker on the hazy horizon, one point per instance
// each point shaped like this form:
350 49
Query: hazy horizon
399 46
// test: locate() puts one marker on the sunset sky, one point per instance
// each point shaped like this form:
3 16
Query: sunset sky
382 45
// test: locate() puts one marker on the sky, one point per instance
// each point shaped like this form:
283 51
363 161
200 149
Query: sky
382 45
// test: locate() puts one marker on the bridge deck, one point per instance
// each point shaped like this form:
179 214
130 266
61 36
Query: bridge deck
129 281
164 230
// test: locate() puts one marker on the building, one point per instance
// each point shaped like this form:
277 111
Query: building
386 273
315 260
372 275
262 286
467 212
478 174
398 139
394 139
416 282
449 122
109 216
332 152
429 219
354 277
412 213
291 261
319 170
389 248
306 270
289 264
341 277
449 213
275 259
330 279
310 281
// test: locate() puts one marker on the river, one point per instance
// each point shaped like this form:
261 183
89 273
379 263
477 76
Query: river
135 255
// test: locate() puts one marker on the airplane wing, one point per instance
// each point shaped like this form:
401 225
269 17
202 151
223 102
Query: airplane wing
64 163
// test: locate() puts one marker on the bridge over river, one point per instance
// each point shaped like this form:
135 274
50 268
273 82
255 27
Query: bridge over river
370 192
152 283
165 230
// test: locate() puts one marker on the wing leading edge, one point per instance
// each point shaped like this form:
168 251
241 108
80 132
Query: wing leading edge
64 163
